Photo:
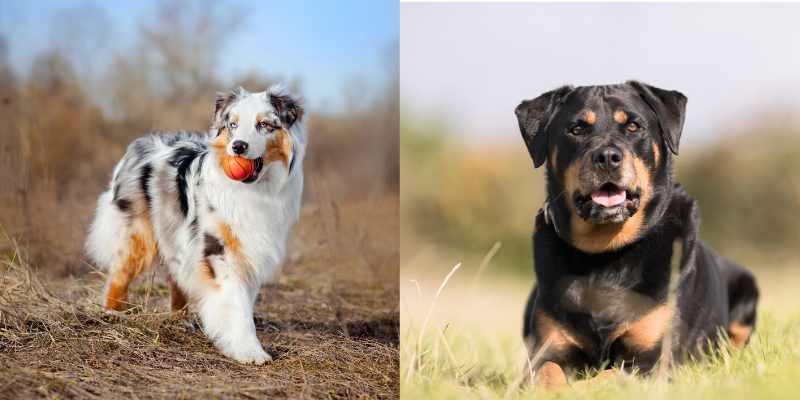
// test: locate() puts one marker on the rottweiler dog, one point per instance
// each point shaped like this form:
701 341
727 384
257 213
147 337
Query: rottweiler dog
603 241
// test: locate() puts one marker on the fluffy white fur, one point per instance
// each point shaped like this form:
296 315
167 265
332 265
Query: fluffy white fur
170 196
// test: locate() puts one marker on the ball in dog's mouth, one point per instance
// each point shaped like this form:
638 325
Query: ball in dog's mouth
609 203
242 169
259 163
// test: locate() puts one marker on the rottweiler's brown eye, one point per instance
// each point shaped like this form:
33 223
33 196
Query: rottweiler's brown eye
632 127
577 130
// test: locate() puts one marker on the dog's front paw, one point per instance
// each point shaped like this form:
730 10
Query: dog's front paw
247 354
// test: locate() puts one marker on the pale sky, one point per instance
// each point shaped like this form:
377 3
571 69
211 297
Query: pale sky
471 64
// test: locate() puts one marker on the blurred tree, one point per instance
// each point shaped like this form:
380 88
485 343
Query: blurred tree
81 34
169 79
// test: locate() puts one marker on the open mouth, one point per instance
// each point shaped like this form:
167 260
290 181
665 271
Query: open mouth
259 163
609 195
608 203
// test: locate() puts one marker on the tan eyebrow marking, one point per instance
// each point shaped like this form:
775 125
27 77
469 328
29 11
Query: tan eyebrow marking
590 117
620 116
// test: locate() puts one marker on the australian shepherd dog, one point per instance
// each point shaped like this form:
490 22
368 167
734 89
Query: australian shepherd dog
172 199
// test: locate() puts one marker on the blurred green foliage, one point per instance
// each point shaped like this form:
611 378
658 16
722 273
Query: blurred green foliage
463 196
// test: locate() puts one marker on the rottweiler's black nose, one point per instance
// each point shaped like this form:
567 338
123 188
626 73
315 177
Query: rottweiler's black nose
608 158
239 147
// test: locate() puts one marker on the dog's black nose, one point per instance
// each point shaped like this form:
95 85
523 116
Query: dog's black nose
608 158
239 147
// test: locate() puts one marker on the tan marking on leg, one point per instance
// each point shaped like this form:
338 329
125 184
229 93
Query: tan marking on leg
279 149
646 332
554 335
116 296
177 297
550 376
590 117
739 333
233 247
593 238
620 117
139 255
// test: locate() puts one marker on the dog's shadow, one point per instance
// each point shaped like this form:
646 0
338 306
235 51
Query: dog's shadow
385 330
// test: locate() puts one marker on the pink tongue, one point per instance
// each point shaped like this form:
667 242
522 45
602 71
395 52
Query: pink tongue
608 199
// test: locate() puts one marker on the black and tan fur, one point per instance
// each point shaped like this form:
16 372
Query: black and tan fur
603 273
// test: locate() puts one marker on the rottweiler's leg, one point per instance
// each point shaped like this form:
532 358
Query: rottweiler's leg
550 377
742 302
553 347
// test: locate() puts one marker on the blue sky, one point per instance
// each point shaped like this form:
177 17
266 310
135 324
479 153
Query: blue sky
325 43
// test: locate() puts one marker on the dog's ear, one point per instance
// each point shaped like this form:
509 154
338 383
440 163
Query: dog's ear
533 116
221 104
670 108
290 108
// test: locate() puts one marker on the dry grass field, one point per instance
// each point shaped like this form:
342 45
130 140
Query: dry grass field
330 321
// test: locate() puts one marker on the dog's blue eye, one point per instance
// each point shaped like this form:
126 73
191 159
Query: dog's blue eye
233 125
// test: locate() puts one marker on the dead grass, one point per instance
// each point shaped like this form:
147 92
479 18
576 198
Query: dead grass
330 322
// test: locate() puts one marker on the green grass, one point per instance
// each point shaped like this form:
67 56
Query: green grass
466 363
472 348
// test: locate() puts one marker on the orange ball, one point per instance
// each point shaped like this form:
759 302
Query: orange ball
238 168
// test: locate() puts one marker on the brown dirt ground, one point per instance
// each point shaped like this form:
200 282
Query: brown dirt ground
330 321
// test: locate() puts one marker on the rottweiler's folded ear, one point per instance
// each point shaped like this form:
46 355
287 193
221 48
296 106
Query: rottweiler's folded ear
533 116
670 108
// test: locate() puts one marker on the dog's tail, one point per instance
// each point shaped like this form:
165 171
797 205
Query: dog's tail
742 302
104 242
